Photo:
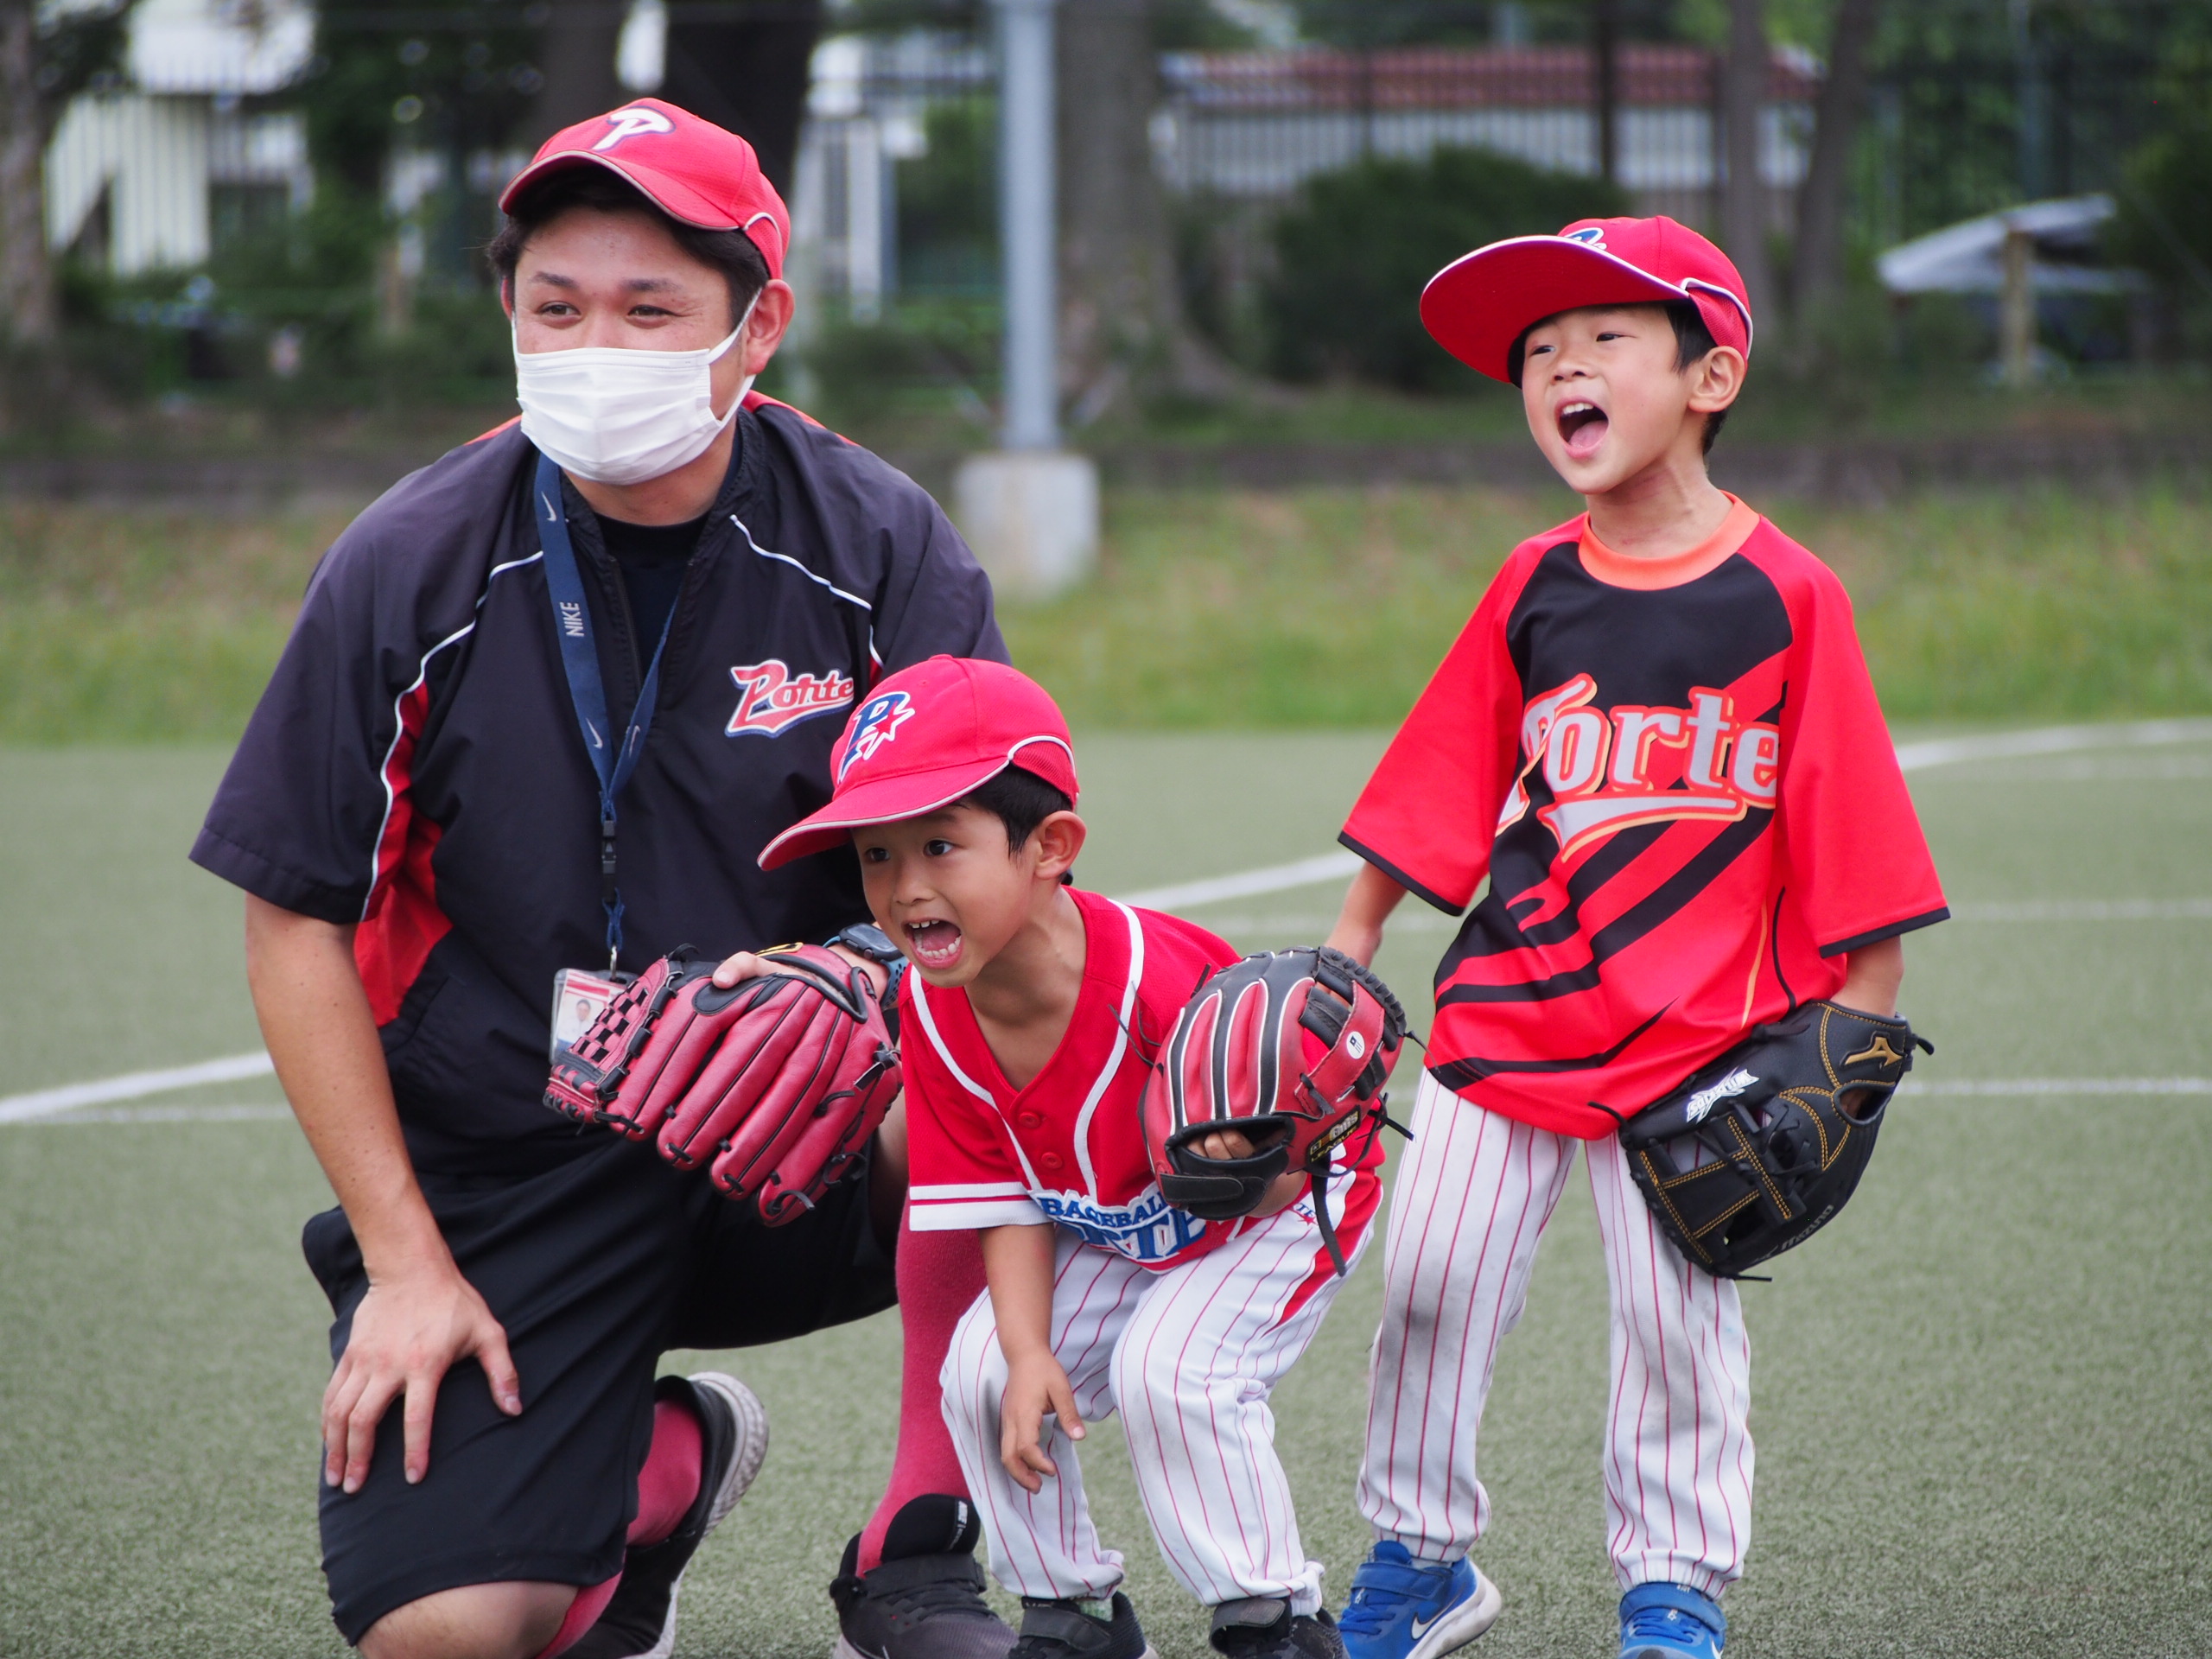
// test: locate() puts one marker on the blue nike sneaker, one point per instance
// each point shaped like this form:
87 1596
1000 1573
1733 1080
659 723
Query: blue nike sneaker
1405 1609
1671 1621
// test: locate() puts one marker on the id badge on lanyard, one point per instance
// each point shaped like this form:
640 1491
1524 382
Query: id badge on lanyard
581 995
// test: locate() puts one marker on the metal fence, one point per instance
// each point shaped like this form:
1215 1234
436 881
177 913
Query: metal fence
1237 134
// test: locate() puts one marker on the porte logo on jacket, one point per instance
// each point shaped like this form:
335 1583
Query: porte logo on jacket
771 698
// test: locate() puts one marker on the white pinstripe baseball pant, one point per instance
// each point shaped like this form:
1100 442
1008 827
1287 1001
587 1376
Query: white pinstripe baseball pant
1472 1196
1189 1355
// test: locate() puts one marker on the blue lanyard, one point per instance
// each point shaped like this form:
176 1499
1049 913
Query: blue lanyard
579 660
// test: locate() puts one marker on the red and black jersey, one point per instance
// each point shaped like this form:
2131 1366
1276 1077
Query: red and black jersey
1677 778
1068 1148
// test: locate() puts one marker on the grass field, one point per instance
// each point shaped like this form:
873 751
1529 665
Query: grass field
1213 608
1979 1398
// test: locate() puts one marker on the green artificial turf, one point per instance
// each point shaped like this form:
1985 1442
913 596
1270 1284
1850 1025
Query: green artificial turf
1979 1397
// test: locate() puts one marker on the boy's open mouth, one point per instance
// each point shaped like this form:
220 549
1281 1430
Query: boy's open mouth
937 943
1583 426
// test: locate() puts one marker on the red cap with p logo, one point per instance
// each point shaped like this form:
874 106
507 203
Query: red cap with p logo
688 168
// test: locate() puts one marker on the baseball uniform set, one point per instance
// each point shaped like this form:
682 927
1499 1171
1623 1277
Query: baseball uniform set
1182 1323
1676 776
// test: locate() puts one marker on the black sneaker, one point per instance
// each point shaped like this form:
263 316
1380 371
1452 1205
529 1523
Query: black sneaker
639 1623
925 1600
1263 1627
1068 1630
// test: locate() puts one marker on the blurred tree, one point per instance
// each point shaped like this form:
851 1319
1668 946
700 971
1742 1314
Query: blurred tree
581 37
1354 251
1122 330
742 64
1743 201
47 56
2163 226
457 80
459 77
1816 264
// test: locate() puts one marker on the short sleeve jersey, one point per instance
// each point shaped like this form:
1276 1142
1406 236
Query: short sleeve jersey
1069 1147
1677 779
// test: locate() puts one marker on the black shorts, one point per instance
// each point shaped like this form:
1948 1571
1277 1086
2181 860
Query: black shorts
595 1267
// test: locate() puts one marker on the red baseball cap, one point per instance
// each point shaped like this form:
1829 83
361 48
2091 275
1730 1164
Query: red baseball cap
1481 302
690 168
924 738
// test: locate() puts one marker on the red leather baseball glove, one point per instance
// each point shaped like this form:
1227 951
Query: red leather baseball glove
775 1085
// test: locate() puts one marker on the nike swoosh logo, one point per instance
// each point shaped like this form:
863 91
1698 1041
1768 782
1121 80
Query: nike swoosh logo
1421 1627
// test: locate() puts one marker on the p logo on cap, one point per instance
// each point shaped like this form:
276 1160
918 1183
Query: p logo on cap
629 123
876 724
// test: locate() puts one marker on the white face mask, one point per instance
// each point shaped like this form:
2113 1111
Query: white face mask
620 415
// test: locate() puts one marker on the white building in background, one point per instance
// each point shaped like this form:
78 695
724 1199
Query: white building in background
142 177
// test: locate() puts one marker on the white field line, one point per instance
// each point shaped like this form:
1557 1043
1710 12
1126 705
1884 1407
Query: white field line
2051 740
2058 1086
1243 884
133 1085
1247 884
167 1115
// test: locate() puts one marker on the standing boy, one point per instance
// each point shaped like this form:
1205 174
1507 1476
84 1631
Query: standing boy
1030 1022
1657 737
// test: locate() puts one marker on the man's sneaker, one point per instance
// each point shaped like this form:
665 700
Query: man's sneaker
639 1623
1072 1630
1671 1621
925 1600
1263 1627
1404 1609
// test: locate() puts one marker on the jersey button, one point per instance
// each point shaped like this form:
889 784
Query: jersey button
1029 1119
1049 1160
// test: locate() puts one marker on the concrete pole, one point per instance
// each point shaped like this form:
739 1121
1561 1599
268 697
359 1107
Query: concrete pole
1027 218
2017 310
1030 511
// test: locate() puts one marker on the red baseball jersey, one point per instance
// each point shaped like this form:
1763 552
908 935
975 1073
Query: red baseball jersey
1069 1147
1677 778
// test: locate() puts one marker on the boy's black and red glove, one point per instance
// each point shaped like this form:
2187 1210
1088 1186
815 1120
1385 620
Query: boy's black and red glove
1291 1049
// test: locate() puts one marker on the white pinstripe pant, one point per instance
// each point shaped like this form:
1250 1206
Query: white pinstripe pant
1189 1356
1473 1194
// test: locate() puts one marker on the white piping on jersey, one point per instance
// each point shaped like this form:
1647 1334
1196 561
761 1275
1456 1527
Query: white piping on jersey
937 1042
1106 1072
400 719
874 656
785 558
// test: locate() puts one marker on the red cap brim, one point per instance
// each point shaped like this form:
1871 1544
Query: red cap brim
886 800
1480 303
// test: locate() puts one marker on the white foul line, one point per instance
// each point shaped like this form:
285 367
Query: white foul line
1301 873
2051 740
1245 884
2058 1086
19 1108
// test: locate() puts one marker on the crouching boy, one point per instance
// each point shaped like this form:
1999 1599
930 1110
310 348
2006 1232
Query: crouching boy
1029 1023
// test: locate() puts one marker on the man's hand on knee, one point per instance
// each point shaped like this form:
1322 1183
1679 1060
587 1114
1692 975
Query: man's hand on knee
476 1621
408 1331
